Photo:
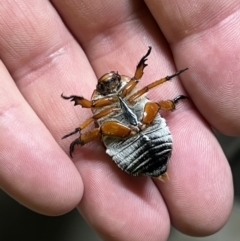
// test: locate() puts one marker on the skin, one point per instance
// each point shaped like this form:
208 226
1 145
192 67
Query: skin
49 48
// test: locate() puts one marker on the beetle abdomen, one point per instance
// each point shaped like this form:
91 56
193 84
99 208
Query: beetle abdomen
144 154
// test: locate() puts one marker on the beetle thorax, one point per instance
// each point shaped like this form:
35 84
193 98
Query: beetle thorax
109 83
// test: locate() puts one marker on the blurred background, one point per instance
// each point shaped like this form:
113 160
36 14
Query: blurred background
19 223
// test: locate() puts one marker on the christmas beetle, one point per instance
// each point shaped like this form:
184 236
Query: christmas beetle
135 135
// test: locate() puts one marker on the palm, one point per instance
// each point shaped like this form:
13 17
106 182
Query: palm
45 60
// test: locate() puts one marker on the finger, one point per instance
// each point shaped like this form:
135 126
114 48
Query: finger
205 37
191 38
199 194
113 41
34 170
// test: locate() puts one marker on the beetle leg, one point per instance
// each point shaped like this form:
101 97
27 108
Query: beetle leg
104 101
84 138
108 128
152 85
138 75
151 108
150 111
103 113
116 129
79 100
141 65
171 104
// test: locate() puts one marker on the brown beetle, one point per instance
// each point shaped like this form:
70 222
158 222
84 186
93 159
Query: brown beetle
135 134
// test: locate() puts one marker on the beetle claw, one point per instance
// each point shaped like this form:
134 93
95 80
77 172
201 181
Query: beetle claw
73 144
180 97
72 133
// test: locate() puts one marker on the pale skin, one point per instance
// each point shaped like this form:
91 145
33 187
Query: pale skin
41 59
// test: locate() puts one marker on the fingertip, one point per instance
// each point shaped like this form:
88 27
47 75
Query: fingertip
41 177
64 190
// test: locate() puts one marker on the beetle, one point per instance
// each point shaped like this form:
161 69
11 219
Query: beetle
134 133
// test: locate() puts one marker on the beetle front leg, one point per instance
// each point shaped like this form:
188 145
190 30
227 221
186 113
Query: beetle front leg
79 100
141 65
138 75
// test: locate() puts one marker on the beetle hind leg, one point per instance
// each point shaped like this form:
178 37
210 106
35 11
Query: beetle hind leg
117 129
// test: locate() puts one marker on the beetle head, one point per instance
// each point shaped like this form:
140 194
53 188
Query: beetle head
109 83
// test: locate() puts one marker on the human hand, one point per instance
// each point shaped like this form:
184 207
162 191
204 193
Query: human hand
45 60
